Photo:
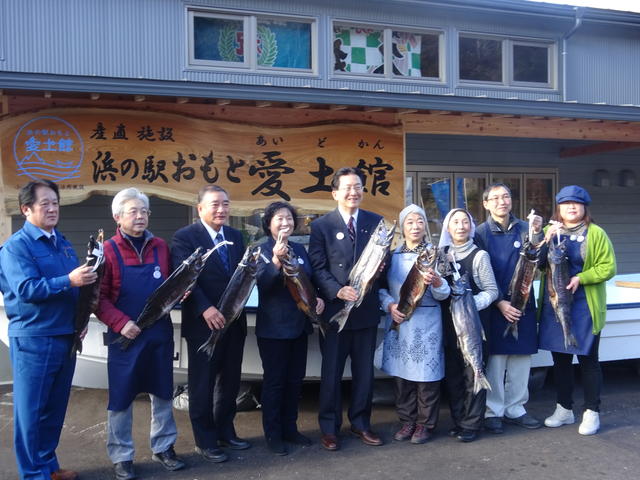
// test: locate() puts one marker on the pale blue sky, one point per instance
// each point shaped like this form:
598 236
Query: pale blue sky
626 5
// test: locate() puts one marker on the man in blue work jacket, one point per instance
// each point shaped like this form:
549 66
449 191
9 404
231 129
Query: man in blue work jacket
39 274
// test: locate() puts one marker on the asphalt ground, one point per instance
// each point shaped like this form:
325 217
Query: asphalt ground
546 453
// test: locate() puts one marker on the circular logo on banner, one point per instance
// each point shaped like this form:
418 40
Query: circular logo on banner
339 235
48 147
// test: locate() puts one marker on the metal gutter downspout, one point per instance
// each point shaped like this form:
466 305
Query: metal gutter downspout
577 22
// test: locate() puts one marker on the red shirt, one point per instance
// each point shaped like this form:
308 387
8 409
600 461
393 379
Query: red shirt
107 312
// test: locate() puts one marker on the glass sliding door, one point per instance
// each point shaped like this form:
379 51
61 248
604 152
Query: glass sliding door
539 192
468 194
435 197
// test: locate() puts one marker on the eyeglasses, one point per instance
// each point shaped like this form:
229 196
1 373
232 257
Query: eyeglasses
498 198
134 212
351 188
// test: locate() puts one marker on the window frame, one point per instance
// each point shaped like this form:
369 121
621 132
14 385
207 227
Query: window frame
250 38
550 63
418 171
387 34
508 43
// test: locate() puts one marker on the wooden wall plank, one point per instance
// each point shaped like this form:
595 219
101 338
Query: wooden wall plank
521 127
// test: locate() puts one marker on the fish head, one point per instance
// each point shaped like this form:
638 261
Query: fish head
428 257
196 259
290 265
95 250
530 251
382 235
460 286
557 251
251 258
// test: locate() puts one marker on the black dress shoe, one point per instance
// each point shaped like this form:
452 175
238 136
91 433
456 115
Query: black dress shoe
168 459
297 439
234 443
467 436
455 431
214 455
124 470
275 445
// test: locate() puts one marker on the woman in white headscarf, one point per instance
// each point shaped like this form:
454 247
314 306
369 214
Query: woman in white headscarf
413 353
467 408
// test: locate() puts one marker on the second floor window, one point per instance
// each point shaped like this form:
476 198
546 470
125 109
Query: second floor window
390 53
505 61
251 42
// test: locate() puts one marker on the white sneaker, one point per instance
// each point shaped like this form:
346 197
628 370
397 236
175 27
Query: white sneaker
590 423
560 417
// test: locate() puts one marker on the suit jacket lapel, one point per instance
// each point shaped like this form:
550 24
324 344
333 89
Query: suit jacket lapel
365 228
344 243
235 250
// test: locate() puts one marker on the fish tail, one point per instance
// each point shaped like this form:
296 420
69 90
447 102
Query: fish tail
76 347
570 340
512 329
340 318
209 346
324 327
480 383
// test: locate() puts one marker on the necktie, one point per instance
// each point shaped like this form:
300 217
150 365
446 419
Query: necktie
223 253
352 229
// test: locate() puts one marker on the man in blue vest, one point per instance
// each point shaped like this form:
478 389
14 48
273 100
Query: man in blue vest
509 362
39 276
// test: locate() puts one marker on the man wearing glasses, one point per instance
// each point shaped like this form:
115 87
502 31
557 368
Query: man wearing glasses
136 264
337 241
509 362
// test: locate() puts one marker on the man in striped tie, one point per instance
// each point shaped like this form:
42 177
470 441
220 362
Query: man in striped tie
337 240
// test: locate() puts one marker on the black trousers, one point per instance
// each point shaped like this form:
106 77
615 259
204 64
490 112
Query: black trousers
284 363
213 387
418 402
359 345
467 408
591 377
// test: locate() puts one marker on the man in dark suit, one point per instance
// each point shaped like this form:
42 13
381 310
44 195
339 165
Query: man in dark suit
213 383
337 240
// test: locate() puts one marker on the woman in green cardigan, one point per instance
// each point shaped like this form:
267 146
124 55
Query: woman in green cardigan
591 263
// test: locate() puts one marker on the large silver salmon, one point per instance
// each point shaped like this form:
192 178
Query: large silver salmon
558 278
171 291
523 275
466 322
301 289
414 287
235 296
364 273
89 295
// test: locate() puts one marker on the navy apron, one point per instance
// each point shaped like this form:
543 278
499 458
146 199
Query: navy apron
504 250
551 336
147 365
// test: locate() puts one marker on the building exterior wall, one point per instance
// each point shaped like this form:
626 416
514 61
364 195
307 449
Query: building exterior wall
147 39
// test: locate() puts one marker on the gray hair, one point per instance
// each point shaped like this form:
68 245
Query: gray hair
123 196
408 210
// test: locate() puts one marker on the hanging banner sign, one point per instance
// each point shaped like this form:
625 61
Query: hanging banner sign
104 150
